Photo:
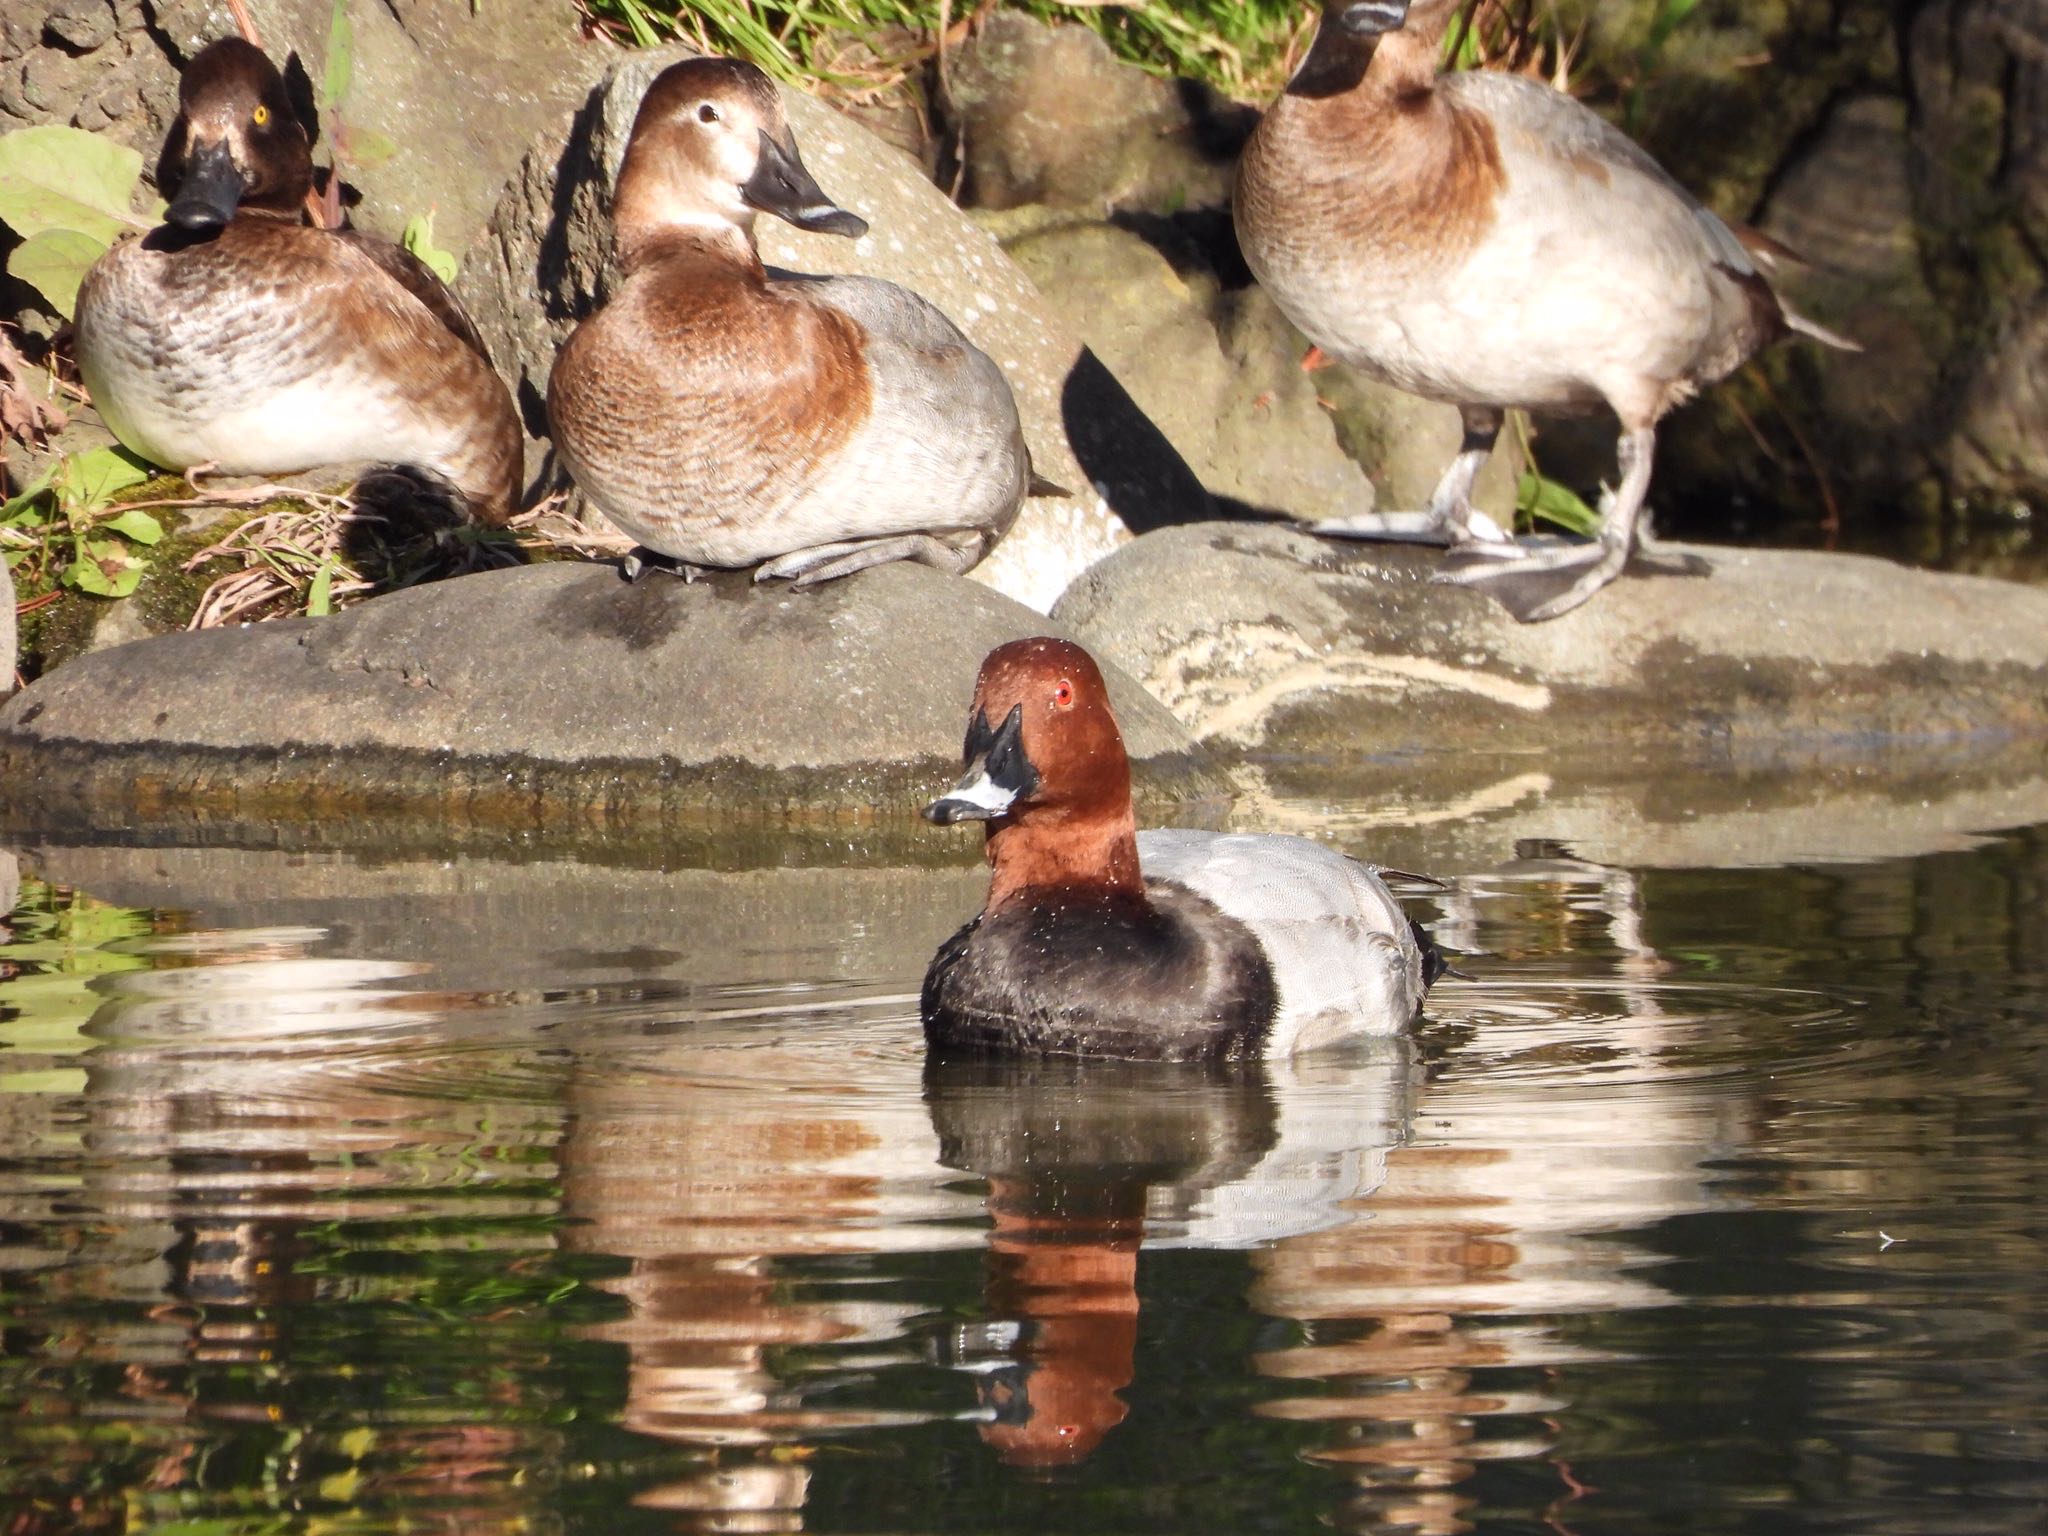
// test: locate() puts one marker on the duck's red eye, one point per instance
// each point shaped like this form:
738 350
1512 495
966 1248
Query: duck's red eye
707 113
1063 694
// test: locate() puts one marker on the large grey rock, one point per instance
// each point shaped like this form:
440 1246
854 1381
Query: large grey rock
546 264
1047 114
544 696
1261 637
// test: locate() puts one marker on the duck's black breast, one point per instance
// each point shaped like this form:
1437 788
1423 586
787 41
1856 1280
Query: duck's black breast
1172 979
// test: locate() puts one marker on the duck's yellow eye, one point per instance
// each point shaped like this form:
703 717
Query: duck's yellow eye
260 116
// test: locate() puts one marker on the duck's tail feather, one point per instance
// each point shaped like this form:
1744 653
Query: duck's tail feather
1435 963
1800 325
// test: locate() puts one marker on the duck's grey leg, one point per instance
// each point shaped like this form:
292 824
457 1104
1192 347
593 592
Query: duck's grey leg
1554 582
1450 518
828 562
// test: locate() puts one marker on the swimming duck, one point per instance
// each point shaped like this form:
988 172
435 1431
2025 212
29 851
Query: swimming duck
1100 940
1479 238
236 336
724 416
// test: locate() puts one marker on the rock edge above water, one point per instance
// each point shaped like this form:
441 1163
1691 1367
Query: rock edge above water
547 696
1271 639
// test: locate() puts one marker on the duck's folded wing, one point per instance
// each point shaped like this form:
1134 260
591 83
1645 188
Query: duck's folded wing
1553 124
413 275
1343 952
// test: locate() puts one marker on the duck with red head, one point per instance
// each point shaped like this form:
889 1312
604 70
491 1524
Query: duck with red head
239 337
1100 940
725 416
1478 238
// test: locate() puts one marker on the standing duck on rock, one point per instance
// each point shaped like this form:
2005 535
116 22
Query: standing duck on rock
237 337
725 416
1482 239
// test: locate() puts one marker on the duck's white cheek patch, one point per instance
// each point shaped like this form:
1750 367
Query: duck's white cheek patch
984 794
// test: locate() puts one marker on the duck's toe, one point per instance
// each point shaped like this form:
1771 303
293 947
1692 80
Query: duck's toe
1389 527
1541 585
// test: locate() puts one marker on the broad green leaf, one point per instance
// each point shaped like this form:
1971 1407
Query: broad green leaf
107 569
419 239
319 596
53 177
18 509
135 524
341 57
53 262
89 480
1554 503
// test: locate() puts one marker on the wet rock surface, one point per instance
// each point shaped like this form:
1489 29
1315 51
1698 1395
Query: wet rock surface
543 696
1271 639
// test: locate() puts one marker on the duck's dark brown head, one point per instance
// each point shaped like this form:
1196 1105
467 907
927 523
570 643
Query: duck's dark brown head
1353 32
239 141
710 148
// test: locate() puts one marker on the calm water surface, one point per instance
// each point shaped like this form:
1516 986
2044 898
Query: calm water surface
340 1195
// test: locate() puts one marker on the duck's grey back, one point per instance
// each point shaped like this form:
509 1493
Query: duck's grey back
943 423
1568 130
1343 953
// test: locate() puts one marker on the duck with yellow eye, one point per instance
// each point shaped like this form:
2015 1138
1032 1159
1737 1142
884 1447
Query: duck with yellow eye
237 336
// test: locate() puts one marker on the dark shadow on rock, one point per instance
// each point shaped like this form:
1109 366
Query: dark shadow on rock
1199 242
533 416
1127 459
1218 127
561 293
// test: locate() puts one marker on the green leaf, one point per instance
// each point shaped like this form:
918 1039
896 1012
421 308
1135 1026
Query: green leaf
107 569
319 596
1554 503
135 524
365 147
418 238
89 480
53 177
19 510
341 57
53 262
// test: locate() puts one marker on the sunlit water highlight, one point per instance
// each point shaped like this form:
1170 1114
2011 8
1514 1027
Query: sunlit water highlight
475 1197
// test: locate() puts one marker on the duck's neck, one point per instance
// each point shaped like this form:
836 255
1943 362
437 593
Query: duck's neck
654 218
1399 64
718 247
1054 848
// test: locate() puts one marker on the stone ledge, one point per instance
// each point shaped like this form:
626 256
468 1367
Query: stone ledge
1269 639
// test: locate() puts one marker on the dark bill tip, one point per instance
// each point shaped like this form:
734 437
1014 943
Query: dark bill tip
209 190
782 186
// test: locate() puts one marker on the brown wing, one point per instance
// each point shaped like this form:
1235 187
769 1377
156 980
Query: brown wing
418 279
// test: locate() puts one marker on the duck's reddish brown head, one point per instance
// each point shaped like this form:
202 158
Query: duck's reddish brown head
1046 769
239 141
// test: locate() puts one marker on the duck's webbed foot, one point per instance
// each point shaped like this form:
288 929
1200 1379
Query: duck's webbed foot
1450 519
639 560
1540 585
1551 581
828 562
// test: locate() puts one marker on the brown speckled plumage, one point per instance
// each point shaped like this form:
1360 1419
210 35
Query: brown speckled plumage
267 347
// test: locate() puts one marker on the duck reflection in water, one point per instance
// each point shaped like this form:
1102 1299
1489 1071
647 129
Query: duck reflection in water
1086 1162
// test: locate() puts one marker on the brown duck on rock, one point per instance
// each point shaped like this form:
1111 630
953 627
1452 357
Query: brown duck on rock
1481 239
238 337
